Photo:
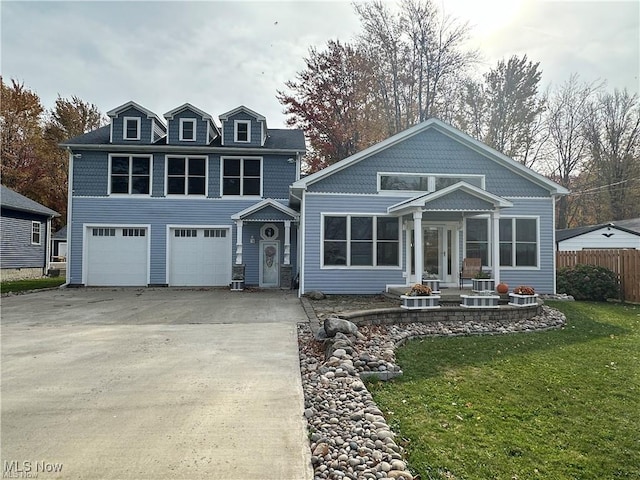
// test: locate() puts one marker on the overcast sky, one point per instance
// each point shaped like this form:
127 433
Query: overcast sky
218 55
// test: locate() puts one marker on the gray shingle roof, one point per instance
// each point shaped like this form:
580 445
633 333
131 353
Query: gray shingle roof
60 234
15 201
629 226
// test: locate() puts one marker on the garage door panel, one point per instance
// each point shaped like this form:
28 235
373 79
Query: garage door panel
200 257
117 256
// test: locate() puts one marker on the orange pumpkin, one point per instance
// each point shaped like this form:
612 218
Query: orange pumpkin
502 288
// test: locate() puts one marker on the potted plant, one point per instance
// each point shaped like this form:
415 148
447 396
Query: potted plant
419 297
523 296
483 282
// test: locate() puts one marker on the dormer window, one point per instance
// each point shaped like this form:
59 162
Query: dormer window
131 128
187 129
242 131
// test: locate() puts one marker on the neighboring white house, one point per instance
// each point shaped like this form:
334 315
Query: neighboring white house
606 236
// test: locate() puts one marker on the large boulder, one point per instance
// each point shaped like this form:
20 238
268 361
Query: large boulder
316 295
333 325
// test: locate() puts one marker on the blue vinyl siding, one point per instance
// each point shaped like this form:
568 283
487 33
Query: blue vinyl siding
16 250
365 280
146 126
201 129
229 133
428 152
160 212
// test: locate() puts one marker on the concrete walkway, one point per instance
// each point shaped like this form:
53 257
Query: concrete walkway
153 384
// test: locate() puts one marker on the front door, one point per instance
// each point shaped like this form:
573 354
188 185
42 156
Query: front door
269 263
438 253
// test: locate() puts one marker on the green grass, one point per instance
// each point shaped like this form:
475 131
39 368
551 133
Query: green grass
31 284
562 404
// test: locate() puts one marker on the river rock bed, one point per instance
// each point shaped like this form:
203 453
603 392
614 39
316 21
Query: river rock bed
349 436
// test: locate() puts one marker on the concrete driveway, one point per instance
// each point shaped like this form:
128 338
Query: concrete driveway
152 383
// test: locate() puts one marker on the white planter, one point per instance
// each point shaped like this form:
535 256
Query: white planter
480 301
483 284
517 300
419 303
434 284
237 285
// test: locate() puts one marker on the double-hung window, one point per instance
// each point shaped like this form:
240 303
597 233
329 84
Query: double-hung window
186 175
518 242
187 129
477 244
242 131
242 176
35 233
130 174
131 128
358 240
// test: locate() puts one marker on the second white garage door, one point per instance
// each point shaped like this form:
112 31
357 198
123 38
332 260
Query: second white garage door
199 257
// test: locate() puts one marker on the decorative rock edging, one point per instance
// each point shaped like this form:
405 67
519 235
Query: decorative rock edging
349 437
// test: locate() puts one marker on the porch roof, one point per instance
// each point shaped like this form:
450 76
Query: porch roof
270 210
459 197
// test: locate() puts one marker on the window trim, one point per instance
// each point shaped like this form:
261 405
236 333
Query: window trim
35 223
186 194
431 181
235 131
129 194
193 122
241 158
125 120
513 218
374 241
487 219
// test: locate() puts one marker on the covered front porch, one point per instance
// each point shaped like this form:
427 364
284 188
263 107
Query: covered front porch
438 236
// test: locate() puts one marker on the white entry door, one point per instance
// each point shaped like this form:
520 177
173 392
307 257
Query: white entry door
269 263
199 257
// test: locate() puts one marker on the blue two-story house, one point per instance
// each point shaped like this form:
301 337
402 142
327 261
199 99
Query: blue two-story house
181 201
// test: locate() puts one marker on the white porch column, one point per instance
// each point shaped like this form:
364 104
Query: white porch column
239 224
406 227
495 243
287 242
417 245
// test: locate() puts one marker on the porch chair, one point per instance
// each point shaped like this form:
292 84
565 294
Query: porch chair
471 267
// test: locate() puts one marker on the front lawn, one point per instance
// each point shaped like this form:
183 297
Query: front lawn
31 284
561 404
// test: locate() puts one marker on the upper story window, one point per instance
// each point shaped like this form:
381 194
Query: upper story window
242 131
130 174
242 176
186 175
35 233
131 128
355 241
187 129
415 182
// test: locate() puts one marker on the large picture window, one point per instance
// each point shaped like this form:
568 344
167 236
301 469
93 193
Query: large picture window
186 175
241 176
477 239
130 174
356 240
518 242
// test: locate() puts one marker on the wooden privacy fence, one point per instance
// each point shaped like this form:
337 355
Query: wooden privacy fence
624 263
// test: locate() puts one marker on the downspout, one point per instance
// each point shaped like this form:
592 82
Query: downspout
555 245
301 244
69 217
47 247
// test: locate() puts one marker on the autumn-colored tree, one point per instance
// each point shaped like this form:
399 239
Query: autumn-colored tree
333 102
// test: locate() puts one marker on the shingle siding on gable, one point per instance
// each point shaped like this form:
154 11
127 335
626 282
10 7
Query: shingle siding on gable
268 213
90 174
278 175
228 131
201 129
459 201
16 250
146 125
428 152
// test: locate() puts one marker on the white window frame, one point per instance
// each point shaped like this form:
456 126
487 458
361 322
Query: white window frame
235 130
241 158
348 266
36 229
186 175
431 181
193 122
129 194
487 219
125 120
513 243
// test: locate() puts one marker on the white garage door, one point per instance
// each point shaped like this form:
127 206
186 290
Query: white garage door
117 256
199 257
